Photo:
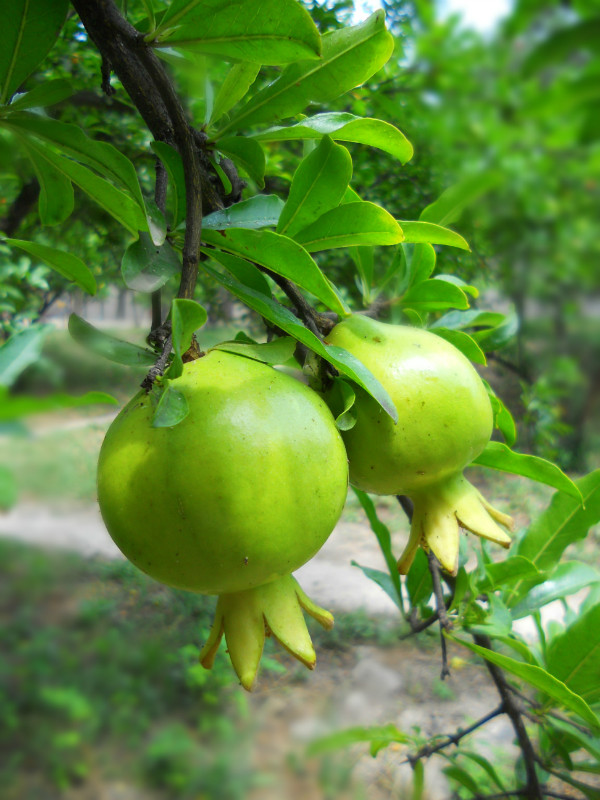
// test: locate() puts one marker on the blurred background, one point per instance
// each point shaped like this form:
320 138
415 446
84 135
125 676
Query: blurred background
101 695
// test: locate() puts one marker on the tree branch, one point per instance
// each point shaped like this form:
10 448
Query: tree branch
20 207
533 789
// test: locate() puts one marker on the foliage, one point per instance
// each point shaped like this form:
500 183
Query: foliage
82 197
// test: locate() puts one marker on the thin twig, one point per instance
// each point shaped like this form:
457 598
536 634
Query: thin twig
319 324
533 789
159 367
453 738
445 624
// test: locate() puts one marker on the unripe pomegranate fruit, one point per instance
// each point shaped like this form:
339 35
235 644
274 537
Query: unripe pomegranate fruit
444 422
231 500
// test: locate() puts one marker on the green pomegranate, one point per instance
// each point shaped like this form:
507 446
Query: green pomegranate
231 500
445 421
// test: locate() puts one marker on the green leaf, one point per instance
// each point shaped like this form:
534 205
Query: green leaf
56 201
461 776
44 94
174 166
247 154
349 57
284 319
568 578
108 346
419 583
146 267
235 86
536 677
565 521
463 342
29 29
318 185
279 351
340 399
186 317
377 733
363 257
350 225
171 409
508 572
243 270
279 32
281 255
8 488
498 456
432 295
260 211
473 318
344 127
420 232
485 765
499 336
72 141
420 262
382 579
20 406
21 350
384 539
115 202
573 656
451 203
503 419
66 264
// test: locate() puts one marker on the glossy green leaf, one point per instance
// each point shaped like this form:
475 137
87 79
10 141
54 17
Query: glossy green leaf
574 656
565 521
344 127
536 677
419 232
72 141
349 57
247 154
66 264
351 225
279 32
44 94
451 203
21 350
115 202
568 578
108 346
419 583
242 270
318 185
260 211
420 262
157 224
8 488
466 287
146 267
377 733
279 351
284 319
174 166
432 295
171 408
29 29
463 342
281 255
235 86
384 540
186 317
364 258
498 456
21 406
56 200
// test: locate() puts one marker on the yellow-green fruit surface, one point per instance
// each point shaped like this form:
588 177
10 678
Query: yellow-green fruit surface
245 489
445 416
